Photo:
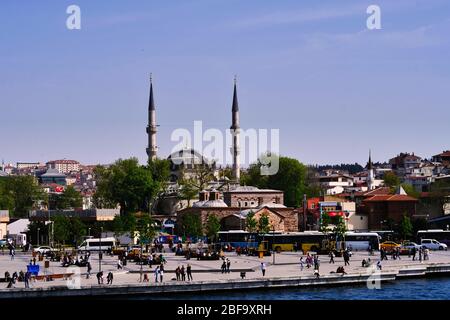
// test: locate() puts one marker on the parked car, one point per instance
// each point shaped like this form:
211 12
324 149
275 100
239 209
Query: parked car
389 246
3 243
433 244
407 246
44 249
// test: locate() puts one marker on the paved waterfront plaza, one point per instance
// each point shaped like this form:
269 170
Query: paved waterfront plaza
286 265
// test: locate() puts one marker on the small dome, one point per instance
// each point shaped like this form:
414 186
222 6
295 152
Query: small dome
272 205
214 204
198 204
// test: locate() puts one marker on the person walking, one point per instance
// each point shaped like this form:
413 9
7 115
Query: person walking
301 264
413 252
263 268
183 273
331 255
150 260
228 265
189 272
156 274
89 268
224 266
346 258
110 278
161 273
13 253
100 277
316 263
420 254
26 280
178 273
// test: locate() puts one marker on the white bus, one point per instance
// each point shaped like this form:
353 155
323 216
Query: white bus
98 244
360 241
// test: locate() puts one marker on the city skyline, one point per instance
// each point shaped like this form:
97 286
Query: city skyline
332 87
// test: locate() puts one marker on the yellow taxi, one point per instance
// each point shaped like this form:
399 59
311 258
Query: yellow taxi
389 246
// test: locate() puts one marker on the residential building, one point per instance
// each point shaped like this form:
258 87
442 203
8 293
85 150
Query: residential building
64 166
4 220
443 157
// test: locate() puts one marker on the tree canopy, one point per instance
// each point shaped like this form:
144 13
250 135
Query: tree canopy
191 225
70 198
126 183
212 226
291 178
20 194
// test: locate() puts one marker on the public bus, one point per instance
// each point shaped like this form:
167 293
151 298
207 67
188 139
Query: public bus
320 242
360 241
237 238
293 241
437 234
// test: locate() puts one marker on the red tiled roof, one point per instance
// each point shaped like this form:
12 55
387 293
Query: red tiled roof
393 197
444 154
378 191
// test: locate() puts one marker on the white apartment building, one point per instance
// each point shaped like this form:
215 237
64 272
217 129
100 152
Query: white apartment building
64 166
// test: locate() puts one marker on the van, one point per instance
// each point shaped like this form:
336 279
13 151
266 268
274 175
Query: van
103 244
433 244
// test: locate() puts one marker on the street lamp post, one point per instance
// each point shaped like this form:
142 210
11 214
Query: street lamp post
273 241
100 254
89 232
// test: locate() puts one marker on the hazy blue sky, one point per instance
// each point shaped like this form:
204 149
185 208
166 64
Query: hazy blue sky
310 68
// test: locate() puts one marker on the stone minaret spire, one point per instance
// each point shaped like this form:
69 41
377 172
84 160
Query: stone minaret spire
235 132
152 127
370 173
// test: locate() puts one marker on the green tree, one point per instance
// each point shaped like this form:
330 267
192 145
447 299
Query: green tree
391 180
188 191
20 194
250 222
6 197
411 191
126 183
325 222
192 225
71 198
406 228
264 224
290 178
61 229
419 224
146 229
212 226
340 228
77 230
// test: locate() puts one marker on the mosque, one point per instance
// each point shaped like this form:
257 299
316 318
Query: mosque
223 197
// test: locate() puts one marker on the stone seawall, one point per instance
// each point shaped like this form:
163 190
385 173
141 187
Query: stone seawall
106 291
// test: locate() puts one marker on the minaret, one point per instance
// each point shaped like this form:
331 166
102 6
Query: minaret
370 174
235 132
152 127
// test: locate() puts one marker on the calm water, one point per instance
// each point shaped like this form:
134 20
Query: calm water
411 289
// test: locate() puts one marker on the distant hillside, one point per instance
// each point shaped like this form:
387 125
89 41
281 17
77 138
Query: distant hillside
350 168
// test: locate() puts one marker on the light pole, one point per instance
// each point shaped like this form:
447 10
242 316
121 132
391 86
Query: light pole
89 232
273 241
100 254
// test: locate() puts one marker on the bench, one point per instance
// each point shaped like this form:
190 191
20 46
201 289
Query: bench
51 277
